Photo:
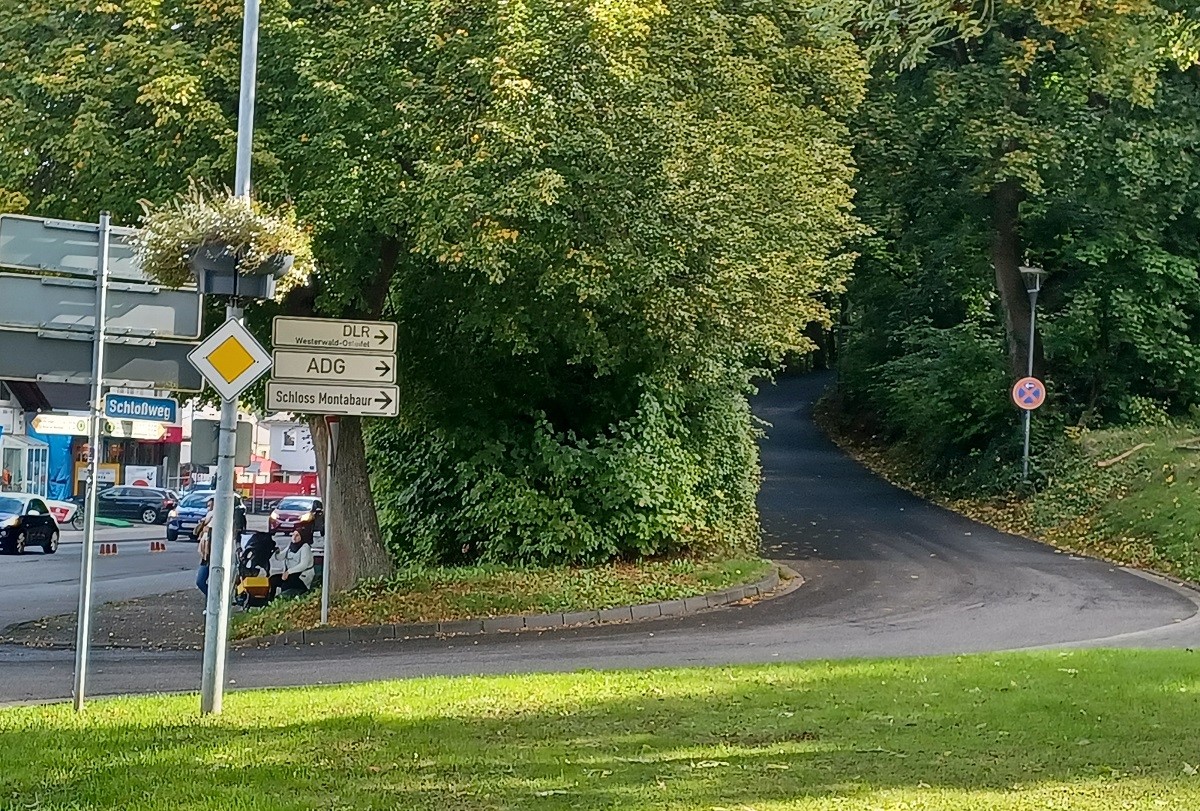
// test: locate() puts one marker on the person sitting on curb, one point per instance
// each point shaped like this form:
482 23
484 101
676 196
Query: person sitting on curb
298 567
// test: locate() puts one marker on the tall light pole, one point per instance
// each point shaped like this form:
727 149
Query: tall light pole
216 630
1032 276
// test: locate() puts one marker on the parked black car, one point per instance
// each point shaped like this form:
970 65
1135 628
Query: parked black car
25 521
184 518
149 505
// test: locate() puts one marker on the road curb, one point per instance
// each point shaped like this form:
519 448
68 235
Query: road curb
779 581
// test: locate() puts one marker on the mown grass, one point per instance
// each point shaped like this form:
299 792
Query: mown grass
1086 731
444 594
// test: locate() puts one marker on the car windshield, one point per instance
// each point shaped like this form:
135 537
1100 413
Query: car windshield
8 504
196 501
300 504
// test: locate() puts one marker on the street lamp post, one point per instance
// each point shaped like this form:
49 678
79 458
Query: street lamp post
222 553
1032 276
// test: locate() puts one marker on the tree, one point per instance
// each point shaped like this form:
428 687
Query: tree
1025 132
593 223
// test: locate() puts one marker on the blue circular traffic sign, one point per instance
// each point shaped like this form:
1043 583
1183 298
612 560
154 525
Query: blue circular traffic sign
1029 393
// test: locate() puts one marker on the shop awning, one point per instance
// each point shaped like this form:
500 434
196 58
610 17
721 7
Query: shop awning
21 441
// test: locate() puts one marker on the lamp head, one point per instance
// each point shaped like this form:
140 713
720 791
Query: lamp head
1032 276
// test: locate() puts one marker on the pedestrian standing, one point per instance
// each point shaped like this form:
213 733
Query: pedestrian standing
203 533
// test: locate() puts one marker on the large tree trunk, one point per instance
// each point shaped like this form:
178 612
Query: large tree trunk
357 543
1006 258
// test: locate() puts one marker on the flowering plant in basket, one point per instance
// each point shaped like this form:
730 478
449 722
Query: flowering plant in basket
257 239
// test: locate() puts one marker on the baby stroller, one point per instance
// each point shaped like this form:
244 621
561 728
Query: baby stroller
253 586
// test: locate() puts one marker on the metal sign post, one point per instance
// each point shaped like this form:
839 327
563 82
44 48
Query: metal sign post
83 628
212 680
333 424
230 359
220 580
337 367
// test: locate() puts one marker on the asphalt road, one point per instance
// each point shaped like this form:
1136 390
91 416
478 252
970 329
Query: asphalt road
37 585
885 575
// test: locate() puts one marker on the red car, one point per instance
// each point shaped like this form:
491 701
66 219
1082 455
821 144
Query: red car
297 512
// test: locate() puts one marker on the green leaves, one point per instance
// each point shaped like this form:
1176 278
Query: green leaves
594 223
1081 111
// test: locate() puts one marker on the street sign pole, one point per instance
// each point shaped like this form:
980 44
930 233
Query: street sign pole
216 628
220 579
333 424
83 625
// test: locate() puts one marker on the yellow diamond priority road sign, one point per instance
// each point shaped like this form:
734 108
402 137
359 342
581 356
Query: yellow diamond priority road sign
230 359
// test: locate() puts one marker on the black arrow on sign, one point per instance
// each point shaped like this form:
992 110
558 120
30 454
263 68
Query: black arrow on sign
381 337
383 368
383 398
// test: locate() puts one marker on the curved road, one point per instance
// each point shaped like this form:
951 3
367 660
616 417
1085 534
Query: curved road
886 574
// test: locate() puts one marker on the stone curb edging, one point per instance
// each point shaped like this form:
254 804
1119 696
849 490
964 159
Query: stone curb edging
766 587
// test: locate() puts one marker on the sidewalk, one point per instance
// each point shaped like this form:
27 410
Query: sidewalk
175 621
164 622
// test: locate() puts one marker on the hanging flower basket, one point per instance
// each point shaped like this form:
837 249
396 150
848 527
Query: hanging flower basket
219 271
230 246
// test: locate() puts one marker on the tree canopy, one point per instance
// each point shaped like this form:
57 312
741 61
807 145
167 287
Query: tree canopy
594 221
1055 134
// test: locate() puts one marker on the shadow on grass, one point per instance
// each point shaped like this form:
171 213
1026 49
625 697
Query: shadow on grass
700 739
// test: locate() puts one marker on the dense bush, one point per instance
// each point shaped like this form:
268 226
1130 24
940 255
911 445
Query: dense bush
675 476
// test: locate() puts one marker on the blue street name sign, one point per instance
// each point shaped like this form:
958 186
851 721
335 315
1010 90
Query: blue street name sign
130 407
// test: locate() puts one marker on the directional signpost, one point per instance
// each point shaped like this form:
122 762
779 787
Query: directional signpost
329 334
312 364
62 424
78 425
69 304
136 429
337 367
36 244
83 311
331 366
332 398
30 356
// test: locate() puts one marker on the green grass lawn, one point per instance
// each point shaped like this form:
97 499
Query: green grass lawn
443 594
1079 731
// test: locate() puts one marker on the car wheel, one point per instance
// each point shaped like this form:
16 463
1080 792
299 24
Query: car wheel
77 520
51 545
18 547
149 516
172 537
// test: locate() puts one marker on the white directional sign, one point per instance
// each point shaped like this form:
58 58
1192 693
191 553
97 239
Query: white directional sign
78 425
230 359
332 335
135 429
334 367
61 424
333 398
